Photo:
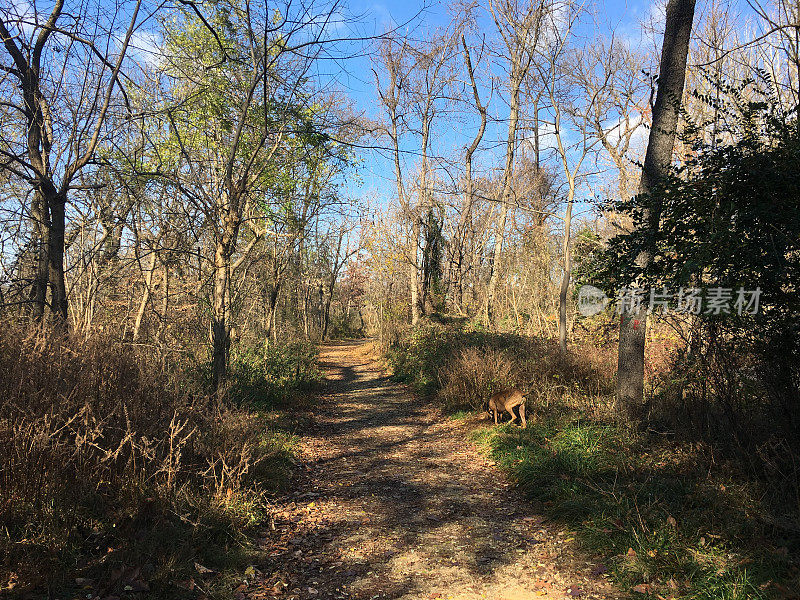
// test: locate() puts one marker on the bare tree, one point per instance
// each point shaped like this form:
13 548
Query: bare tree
459 241
672 74
572 112
428 79
519 25
65 72
611 73
394 59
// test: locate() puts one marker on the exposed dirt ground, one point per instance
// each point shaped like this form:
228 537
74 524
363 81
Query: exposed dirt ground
394 502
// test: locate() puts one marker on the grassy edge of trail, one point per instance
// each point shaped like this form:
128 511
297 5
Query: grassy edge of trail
122 476
669 517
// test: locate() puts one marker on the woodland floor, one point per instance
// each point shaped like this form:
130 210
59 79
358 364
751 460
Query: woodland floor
393 501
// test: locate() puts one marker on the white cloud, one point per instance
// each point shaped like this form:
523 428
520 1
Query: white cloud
145 47
615 129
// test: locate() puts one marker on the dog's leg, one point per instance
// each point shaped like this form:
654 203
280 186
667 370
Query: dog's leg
513 416
522 415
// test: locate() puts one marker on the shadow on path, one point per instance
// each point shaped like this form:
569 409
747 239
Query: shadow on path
396 503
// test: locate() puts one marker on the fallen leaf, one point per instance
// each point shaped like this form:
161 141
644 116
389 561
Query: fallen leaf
673 585
643 588
599 570
137 585
574 591
671 521
186 585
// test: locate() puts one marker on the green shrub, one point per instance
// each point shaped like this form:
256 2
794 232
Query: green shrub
270 373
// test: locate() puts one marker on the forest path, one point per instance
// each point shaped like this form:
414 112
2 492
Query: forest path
394 502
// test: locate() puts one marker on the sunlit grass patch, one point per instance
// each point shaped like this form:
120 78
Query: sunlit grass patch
665 527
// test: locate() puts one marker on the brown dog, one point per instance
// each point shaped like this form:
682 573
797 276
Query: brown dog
506 401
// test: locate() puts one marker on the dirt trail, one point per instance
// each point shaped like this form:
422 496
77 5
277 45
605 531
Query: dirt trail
396 503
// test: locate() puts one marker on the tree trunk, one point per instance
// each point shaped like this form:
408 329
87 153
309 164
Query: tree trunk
567 252
494 276
148 280
327 311
220 336
469 191
225 245
272 307
305 302
41 215
58 285
536 145
423 208
672 72
519 67
164 304
413 275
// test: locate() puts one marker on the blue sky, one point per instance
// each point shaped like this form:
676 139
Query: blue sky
354 76
352 71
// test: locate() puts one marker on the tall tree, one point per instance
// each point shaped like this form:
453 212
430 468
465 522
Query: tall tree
460 235
519 25
570 111
393 57
237 125
65 71
426 90
666 110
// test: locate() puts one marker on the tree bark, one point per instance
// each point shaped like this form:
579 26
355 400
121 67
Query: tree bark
272 305
672 73
41 215
58 285
220 305
220 337
327 311
148 280
565 277
414 272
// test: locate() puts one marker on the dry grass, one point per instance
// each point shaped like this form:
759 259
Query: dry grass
474 374
103 451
